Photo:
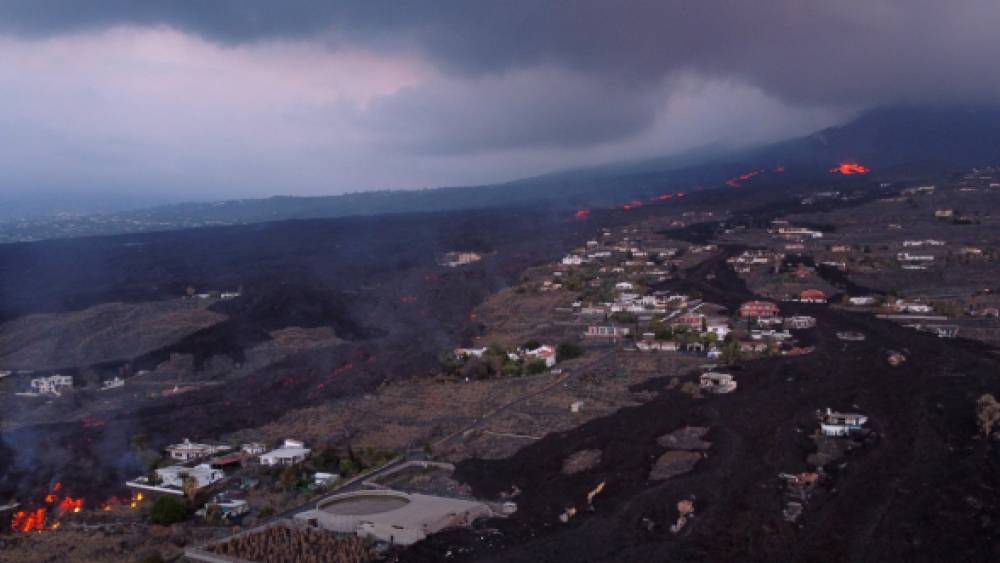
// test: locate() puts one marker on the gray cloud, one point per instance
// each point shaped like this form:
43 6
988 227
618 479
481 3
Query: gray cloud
535 108
313 96
852 51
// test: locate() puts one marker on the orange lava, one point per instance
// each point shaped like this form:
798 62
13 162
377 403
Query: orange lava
737 181
582 213
849 168
69 504
26 522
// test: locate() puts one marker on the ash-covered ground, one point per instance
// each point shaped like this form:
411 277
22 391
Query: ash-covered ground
923 486
332 308
328 308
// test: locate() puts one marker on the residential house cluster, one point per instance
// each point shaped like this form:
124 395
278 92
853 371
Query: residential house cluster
49 386
195 467
748 259
784 230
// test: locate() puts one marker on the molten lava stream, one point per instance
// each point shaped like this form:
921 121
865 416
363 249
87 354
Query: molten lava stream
849 168
25 522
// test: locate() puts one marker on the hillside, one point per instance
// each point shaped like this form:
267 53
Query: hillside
921 139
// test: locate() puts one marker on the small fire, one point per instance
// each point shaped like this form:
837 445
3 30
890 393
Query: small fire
849 168
662 197
632 205
582 213
131 502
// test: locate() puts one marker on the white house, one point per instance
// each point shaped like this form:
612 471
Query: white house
714 382
52 385
800 322
718 327
290 453
112 383
188 450
253 448
834 423
323 479
546 353
572 260
606 331
907 257
462 353
174 475
911 307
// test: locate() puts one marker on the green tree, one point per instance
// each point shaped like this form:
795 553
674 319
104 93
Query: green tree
511 369
347 467
534 367
169 510
568 351
291 476
731 353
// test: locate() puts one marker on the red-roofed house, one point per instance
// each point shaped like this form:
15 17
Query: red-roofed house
758 309
812 296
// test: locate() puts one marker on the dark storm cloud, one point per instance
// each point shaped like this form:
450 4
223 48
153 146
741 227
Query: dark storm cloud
827 52
460 117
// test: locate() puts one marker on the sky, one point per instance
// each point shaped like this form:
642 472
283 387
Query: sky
249 98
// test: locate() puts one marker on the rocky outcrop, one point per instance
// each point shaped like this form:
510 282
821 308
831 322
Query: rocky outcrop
687 438
674 463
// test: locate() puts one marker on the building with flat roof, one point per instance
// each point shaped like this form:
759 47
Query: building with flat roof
290 453
391 516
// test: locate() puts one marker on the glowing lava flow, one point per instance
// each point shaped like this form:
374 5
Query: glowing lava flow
582 213
737 181
632 205
849 168
26 521
69 504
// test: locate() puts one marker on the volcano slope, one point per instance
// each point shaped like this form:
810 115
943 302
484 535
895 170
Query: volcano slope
373 284
928 489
